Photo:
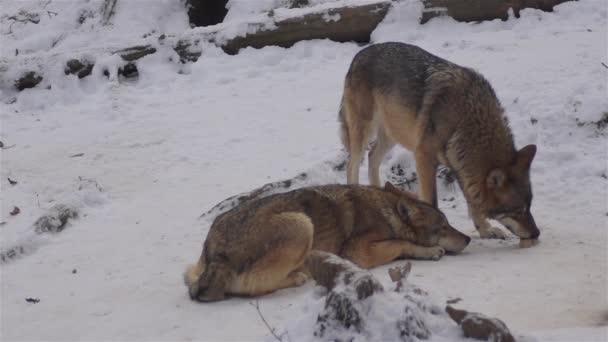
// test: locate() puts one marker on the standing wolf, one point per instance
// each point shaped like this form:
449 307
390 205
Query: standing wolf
263 245
443 113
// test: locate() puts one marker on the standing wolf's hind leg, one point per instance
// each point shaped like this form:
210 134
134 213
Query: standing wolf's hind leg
382 145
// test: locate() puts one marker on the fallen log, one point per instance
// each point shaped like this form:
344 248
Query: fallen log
480 10
342 24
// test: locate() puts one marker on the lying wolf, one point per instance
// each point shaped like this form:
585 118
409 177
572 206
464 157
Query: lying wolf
445 114
262 245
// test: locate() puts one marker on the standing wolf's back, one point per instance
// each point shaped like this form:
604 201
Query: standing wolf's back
442 92
395 67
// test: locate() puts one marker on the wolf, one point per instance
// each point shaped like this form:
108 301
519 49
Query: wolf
445 114
263 244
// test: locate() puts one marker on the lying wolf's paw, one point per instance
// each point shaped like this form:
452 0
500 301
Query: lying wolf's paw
492 233
436 253
299 278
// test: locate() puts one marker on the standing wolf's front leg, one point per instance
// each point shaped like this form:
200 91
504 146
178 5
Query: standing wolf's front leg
367 252
486 231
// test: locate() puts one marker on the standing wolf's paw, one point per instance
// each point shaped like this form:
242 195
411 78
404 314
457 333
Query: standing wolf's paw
492 233
436 253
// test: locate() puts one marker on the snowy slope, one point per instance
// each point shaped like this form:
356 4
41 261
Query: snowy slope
161 150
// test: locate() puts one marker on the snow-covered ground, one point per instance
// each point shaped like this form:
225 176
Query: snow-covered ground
159 151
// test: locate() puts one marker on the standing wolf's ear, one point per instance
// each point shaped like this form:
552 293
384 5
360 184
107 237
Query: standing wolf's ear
525 157
496 179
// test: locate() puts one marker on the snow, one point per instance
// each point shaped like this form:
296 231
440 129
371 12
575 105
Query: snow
238 9
166 147
73 25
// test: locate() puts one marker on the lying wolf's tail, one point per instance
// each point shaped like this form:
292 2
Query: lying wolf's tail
343 127
193 272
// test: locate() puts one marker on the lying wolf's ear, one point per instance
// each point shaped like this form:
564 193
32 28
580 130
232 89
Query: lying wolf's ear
525 156
403 210
496 179
388 186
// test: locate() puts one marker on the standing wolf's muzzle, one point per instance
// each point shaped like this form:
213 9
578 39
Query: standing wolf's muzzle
522 225
534 231
530 226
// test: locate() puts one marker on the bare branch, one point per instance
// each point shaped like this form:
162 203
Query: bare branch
271 329
47 11
107 11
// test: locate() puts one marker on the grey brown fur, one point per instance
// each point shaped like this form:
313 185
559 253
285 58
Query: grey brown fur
445 114
263 245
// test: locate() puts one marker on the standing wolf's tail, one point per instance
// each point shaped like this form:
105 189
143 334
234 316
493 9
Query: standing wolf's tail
343 128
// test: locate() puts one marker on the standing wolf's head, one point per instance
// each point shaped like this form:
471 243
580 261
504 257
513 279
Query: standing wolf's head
430 226
509 195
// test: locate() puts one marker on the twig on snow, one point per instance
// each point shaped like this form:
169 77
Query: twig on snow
605 66
26 17
271 329
107 11
15 19
47 11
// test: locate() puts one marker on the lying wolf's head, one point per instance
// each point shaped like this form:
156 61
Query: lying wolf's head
509 195
430 225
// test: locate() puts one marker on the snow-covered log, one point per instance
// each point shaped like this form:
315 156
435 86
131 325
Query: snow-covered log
480 10
341 24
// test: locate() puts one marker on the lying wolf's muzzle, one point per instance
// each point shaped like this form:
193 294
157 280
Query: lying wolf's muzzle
452 240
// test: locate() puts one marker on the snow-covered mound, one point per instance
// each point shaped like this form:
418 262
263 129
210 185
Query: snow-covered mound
43 26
